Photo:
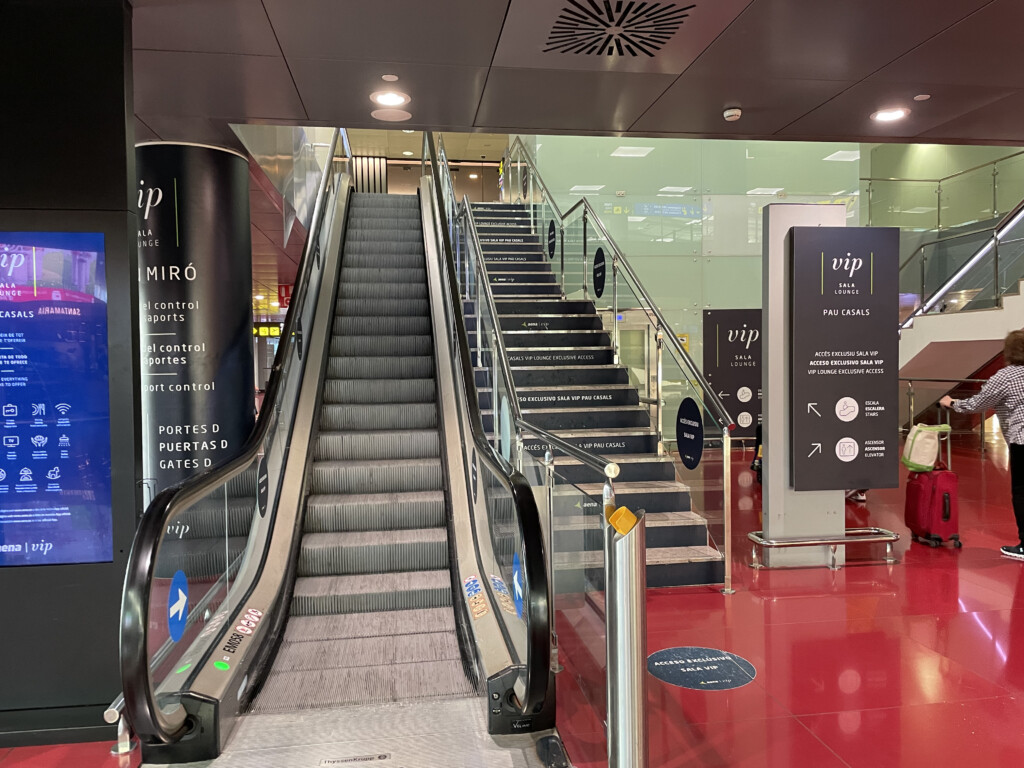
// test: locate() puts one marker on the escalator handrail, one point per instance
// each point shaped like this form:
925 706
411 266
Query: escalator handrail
537 600
720 412
145 716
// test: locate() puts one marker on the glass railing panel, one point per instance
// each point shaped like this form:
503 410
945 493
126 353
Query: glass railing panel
1009 184
1011 264
906 204
574 283
579 607
968 198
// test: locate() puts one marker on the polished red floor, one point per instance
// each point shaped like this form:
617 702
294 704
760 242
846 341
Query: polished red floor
915 664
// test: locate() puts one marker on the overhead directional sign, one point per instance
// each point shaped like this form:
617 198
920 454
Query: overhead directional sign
177 606
844 361
517 584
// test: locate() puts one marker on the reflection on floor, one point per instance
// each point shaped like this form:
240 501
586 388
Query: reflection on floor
916 664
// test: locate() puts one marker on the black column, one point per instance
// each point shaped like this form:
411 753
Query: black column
67 165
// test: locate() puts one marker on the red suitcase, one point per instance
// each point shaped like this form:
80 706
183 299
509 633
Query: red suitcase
932 513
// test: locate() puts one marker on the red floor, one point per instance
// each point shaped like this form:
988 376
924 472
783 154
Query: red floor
915 664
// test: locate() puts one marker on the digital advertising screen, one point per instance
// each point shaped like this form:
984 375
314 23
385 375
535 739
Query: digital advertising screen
55 505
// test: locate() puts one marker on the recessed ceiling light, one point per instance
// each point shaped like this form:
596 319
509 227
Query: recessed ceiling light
408 130
275 303
391 115
474 175
259 297
389 98
677 190
389 78
889 115
844 156
636 219
922 97
765 190
587 188
632 151
407 153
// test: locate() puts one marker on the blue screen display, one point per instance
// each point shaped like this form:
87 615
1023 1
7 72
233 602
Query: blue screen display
54 400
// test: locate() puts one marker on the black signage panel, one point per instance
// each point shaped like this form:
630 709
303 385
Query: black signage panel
690 433
195 279
599 272
732 363
844 307
552 240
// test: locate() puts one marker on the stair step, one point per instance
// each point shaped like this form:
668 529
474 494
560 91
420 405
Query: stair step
593 417
666 567
551 322
544 306
653 496
633 467
336 554
525 289
584 396
562 375
600 441
551 356
318 595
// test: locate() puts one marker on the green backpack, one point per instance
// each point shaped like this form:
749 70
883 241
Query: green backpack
921 450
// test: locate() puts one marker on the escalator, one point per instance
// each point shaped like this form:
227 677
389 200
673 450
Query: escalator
359 551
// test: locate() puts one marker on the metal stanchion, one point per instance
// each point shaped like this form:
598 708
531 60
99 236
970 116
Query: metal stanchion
625 579
549 466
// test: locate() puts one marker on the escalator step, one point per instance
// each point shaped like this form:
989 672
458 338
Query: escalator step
398 444
319 595
374 247
335 554
376 291
379 391
383 275
302 655
313 629
383 307
374 512
385 345
340 418
385 226
357 325
358 235
377 476
387 260
406 367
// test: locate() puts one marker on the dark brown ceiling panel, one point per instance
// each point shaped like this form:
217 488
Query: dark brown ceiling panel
694 105
217 26
338 92
1001 120
214 86
144 132
538 99
663 36
198 130
458 32
826 39
849 114
983 49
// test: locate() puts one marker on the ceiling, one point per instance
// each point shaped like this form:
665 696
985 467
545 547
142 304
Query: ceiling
799 69
394 143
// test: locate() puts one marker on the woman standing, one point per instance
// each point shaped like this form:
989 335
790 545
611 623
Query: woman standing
1005 392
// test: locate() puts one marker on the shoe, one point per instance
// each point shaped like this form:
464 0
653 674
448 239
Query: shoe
1015 551
858 496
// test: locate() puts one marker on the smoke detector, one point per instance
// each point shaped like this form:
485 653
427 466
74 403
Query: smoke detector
732 114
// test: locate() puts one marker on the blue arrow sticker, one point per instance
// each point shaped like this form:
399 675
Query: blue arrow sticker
177 606
517 584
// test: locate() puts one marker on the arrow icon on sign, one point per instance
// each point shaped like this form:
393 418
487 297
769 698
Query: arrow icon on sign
179 605
516 586
810 407
814 450
723 394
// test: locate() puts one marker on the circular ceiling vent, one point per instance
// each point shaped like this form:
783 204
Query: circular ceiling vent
615 28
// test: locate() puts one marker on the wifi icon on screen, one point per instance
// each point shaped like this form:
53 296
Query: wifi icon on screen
62 408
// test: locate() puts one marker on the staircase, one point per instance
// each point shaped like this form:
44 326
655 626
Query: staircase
563 366
371 617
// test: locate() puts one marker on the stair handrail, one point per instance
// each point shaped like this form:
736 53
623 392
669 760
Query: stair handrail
539 601
146 717
1007 223
719 410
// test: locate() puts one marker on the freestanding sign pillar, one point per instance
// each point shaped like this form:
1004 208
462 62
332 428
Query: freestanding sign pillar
789 514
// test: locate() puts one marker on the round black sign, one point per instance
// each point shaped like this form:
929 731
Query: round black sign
262 486
689 433
599 272
552 240
701 669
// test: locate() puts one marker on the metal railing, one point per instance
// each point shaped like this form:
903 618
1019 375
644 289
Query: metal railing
870 535
944 413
